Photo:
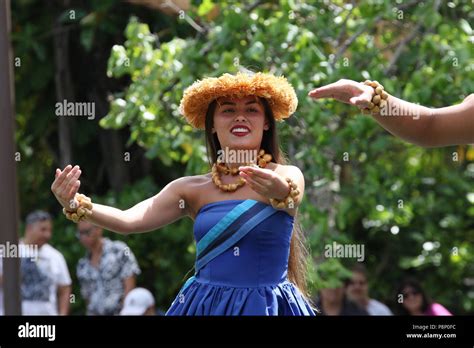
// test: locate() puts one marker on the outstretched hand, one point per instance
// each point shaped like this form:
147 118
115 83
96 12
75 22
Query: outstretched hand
264 181
66 185
346 91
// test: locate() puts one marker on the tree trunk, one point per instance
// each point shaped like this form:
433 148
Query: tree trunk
111 144
113 156
64 89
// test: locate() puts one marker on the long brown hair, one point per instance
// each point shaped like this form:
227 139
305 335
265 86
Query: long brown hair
297 261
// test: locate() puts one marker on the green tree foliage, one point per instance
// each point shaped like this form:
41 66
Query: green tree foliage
412 208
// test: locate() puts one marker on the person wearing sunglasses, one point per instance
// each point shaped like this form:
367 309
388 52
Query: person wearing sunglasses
412 300
107 273
357 290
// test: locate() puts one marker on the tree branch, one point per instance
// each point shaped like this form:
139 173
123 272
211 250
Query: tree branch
349 41
253 6
400 48
359 32
406 41
344 24
188 19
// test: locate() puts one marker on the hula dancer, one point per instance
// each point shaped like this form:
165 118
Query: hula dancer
249 251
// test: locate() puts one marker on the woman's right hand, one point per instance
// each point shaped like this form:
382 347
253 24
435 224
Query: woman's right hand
66 185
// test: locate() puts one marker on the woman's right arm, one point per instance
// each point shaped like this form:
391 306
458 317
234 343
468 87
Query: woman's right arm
151 214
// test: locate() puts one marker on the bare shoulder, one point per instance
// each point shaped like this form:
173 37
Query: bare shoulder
187 184
188 189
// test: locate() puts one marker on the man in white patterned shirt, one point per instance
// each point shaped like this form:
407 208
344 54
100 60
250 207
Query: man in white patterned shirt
106 273
45 279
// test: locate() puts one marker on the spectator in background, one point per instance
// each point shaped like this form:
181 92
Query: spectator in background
139 301
45 279
357 290
412 300
107 273
334 302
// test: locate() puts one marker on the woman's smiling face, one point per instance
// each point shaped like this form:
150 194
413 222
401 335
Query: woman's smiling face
240 122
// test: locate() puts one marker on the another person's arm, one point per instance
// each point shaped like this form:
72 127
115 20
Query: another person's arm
64 293
420 125
129 269
128 285
153 213
84 285
64 288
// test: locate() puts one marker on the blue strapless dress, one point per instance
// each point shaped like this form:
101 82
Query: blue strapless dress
249 278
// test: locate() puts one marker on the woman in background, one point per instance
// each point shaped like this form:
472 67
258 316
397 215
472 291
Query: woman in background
416 302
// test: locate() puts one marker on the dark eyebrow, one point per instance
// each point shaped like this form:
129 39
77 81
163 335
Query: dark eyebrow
247 103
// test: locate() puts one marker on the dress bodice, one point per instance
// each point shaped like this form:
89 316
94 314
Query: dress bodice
258 259
249 277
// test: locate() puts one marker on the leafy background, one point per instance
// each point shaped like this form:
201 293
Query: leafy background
412 208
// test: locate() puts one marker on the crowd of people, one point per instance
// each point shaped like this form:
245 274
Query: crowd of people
107 277
106 274
352 298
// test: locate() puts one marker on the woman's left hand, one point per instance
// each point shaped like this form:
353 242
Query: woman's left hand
265 182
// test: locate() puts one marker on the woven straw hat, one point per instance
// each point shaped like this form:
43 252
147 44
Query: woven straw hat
276 89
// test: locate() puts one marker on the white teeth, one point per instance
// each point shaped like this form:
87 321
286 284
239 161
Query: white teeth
240 130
